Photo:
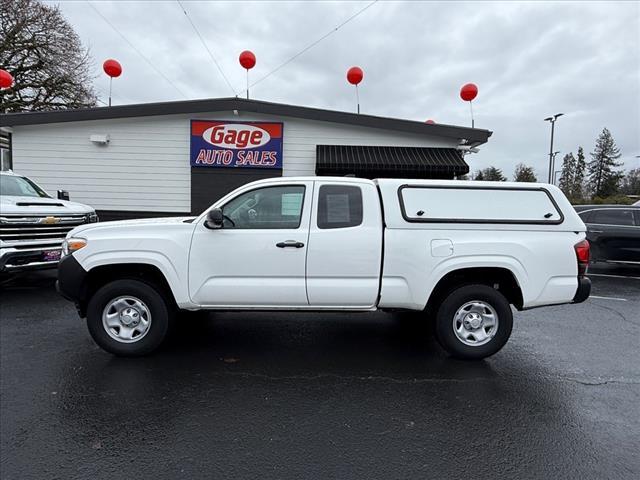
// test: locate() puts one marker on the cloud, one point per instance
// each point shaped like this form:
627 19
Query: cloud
529 59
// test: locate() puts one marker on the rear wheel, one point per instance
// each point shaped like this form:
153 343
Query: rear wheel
128 318
474 322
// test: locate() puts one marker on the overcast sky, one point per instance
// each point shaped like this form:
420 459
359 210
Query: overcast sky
529 60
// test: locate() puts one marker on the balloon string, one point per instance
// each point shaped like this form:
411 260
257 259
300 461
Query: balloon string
471 107
357 98
313 44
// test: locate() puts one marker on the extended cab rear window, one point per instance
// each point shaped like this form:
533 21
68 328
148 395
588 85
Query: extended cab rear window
478 205
339 206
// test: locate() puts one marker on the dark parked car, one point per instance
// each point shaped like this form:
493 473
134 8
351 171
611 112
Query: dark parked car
613 231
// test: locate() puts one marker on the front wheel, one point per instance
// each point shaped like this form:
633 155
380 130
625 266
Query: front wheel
128 318
474 322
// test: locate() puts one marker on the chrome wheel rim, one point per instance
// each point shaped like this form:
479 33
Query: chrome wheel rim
475 323
126 319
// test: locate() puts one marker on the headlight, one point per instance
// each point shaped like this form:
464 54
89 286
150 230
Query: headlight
92 217
71 245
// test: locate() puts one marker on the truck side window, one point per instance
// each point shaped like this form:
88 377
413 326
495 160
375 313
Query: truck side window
266 208
339 206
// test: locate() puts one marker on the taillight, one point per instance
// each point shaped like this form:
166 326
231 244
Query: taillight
582 255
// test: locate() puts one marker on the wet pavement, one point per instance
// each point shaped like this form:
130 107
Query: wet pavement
270 395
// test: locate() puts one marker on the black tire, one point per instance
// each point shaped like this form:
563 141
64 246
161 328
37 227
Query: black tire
456 299
160 311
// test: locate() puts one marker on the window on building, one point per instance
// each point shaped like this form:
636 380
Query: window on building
5 160
339 206
5 151
612 217
266 208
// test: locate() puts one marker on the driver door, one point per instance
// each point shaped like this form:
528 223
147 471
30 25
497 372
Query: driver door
258 258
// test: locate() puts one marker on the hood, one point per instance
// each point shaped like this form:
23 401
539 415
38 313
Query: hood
128 224
16 205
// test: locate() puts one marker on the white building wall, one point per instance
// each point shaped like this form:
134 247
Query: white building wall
146 166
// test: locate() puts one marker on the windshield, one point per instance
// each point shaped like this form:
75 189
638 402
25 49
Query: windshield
20 187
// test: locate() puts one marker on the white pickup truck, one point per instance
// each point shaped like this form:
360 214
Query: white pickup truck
463 252
33 224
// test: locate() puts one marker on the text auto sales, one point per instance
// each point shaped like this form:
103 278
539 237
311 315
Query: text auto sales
242 158
237 145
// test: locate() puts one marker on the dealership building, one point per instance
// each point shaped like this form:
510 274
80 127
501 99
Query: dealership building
175 158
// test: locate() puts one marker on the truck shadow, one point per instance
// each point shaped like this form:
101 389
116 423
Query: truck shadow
335 343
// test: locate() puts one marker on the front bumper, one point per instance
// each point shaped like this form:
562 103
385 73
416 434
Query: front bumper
583 291
72 283
31 258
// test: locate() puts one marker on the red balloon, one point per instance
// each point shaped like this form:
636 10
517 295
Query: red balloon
355 75
430 122
247 59
112 68
468 92
6 79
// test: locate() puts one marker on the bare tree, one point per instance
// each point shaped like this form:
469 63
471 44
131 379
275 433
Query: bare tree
51 68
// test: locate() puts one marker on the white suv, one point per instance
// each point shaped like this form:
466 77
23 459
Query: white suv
33 224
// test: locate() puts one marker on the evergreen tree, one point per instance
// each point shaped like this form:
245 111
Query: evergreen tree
604 181
567 175
479 175
493 174
577 189
524 173
631 182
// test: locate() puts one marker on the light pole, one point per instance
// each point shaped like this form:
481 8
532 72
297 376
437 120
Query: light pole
552 120
554 177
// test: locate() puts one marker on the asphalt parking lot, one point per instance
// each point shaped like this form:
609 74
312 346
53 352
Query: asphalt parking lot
322 396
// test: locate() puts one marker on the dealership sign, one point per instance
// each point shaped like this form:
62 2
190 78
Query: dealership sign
236 144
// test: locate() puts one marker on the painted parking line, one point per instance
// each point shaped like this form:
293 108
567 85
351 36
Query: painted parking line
608 298
611 276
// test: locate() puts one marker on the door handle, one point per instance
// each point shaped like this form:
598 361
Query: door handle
290 243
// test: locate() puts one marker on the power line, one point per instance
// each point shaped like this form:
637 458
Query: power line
158 71
195 29
311 45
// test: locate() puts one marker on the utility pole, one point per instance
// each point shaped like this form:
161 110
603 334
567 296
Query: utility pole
552 120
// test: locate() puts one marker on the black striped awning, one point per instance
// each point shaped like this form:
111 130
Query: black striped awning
381 162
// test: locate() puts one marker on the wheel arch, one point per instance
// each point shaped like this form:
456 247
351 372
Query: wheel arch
502 279
148 273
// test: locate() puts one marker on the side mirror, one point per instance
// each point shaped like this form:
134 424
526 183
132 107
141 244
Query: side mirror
215 218
63 195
